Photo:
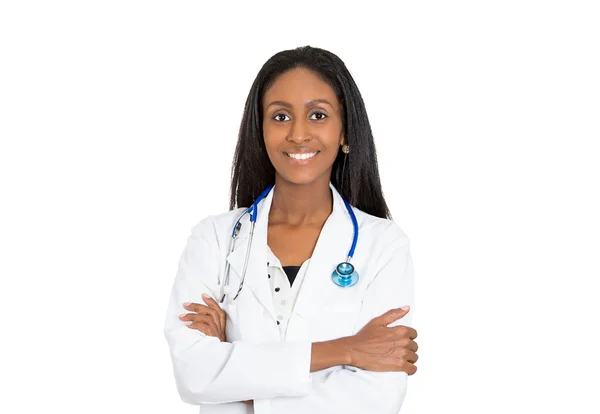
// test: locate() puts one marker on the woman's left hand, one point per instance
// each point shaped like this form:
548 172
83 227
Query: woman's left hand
209 319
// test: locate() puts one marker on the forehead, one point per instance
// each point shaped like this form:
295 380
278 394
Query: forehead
298 86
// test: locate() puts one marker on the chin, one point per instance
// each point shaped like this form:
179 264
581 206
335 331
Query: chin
299 179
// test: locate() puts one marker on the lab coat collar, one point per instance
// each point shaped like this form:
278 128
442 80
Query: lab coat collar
332 248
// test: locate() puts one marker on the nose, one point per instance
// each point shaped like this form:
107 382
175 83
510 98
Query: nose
299 132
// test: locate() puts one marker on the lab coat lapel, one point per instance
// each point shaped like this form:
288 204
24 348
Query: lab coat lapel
317 288
256 281
331 249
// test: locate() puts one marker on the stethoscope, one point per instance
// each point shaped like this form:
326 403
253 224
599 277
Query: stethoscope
344 275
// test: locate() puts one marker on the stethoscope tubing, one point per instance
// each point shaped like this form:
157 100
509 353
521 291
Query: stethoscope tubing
355 225
253 211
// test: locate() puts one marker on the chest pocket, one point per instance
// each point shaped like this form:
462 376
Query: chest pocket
337 316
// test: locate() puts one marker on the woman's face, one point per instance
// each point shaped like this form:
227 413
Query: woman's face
302 117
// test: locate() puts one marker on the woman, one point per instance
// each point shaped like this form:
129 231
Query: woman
272 324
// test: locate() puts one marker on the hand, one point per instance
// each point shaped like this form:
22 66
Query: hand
209 319
377 347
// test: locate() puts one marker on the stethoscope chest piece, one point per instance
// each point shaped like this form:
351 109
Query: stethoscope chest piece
345 275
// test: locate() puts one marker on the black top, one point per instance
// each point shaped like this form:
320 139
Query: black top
291 272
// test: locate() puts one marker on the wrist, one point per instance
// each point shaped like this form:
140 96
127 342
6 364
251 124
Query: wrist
344 350
331 353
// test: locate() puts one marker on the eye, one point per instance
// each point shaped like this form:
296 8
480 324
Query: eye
321 117
278 119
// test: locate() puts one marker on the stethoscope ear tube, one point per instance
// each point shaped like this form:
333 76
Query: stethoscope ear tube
246 260
234 234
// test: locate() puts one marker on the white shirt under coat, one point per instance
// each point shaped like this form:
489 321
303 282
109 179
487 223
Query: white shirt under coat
270 363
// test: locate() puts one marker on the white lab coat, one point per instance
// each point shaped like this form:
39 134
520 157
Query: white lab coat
256 363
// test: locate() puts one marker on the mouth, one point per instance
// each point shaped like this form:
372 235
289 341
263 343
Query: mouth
301 159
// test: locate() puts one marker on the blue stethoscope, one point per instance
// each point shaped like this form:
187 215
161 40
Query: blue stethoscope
344 275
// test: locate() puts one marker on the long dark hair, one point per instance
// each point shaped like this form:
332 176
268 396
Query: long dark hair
252 170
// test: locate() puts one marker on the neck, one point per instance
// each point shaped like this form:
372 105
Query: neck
300 204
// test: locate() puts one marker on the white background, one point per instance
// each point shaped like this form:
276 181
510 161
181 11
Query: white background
118 122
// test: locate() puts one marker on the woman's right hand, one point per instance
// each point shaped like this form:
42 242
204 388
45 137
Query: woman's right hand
377 347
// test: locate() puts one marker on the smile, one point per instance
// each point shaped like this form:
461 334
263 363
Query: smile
303 156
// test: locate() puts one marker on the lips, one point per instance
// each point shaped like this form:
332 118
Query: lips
301 155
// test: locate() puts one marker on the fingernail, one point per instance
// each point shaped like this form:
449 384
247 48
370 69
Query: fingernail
405 307
187 303
205 296
182 315
189 322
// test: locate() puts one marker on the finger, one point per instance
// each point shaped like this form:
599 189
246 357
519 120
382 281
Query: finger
409 368
206 324
196 307
398 363
218 312
412 333
204 328
408 344
194 317
201 309
412 357
211 302
191 316
404 331
391 315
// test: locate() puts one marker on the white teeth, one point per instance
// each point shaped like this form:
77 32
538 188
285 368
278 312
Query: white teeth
301 156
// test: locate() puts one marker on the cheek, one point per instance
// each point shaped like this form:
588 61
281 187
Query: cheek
329 157
269 140
271 135
272 155
334 131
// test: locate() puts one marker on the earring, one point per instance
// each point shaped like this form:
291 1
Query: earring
345 150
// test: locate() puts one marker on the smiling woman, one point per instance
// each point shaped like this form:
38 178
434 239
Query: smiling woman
297 299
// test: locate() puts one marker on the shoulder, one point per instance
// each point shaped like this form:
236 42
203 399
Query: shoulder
213 232
383 230
384 243
217 222
215 229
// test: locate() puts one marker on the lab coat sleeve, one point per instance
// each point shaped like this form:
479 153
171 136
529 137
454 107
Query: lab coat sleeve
208 371
351 390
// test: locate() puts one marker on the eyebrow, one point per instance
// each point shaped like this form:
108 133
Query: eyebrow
313 102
